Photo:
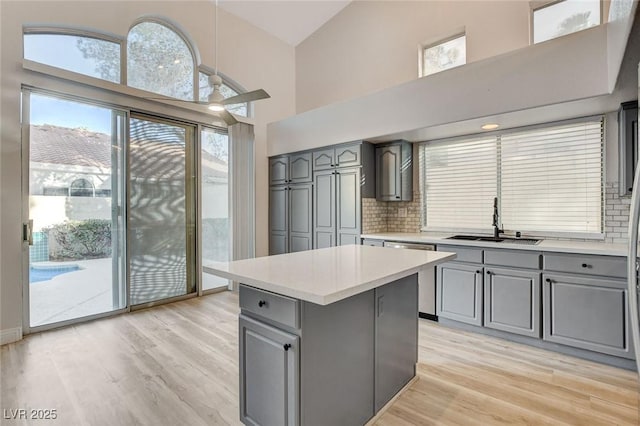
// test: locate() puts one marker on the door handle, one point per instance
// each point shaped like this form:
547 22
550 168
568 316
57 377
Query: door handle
27 232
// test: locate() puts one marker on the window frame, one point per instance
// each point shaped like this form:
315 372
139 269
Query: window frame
534 6
497 134
460 32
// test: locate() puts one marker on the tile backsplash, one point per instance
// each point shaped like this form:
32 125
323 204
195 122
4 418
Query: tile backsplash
381 216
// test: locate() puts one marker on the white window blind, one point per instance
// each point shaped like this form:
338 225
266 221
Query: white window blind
551 179
459 183
548 180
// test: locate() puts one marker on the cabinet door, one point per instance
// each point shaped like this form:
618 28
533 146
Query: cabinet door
324 210
278 170
459 290
348 156
396 343
278 219
324 159
269 377
348 205
300 168
512 300
588 313
388 178
300 217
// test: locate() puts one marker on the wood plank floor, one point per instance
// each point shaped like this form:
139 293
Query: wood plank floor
177 365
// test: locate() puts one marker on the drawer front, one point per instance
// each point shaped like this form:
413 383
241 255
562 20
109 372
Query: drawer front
464 254
277 308
584 264
372 242
514 259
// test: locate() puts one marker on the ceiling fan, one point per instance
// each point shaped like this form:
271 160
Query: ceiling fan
216 101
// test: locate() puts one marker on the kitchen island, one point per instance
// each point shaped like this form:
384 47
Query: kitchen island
327 336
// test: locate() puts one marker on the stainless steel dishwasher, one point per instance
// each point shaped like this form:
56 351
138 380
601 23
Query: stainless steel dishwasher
426 281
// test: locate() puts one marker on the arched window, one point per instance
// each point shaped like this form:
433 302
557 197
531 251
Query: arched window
93 54
160 60
81 188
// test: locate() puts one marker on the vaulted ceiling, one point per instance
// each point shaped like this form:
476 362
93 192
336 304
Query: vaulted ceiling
291 21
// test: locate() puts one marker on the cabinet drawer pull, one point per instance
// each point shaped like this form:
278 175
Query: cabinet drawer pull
287 346
262 303
584 265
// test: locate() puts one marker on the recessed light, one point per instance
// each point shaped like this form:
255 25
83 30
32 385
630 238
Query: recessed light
491 126
177 61
160 67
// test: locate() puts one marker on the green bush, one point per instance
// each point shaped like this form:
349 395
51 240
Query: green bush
80 239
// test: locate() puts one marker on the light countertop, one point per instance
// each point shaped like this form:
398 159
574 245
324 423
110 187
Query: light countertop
440 238
328 275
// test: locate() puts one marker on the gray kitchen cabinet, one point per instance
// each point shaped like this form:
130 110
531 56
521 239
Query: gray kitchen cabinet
278 220
459 291
512 300
298 358
396 343
290 218
300 217
339 156
324 208
586 312
394 172
291 168
372 242
269 374
337 207
627 145
348 206
278 170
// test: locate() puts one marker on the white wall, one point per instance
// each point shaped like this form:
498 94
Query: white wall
247 54
372 45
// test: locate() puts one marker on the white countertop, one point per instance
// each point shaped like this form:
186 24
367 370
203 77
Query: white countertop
578 247
328 275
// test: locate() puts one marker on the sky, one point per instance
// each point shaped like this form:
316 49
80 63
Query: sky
64 113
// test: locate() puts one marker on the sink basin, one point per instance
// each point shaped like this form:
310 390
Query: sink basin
512 240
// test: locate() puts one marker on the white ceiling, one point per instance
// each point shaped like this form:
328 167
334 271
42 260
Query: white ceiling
291 21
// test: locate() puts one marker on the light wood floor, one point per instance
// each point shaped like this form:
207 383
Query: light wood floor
177 365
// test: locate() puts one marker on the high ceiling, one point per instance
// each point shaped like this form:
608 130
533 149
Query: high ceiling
291 21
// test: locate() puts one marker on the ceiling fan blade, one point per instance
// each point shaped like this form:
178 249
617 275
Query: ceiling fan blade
227 117
179 100
247 97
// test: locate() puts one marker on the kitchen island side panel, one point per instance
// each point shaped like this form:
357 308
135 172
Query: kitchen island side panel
337 361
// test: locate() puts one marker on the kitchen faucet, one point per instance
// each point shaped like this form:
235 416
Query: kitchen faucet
496 228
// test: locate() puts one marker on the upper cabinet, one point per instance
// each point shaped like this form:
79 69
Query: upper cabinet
293 168
341 156
394 172
627 144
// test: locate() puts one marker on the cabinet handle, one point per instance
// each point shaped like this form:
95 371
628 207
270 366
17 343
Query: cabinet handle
488 272
478 271
397 196
548 280
287 346
261 303
584 265
337 173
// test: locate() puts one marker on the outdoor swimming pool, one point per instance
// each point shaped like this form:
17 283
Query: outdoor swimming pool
45 273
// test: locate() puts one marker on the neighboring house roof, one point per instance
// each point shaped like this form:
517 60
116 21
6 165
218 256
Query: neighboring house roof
81 147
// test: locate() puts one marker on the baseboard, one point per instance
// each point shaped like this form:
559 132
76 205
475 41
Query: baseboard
431 317
10 335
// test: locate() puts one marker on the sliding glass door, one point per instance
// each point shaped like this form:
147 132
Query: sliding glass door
161 206
75 208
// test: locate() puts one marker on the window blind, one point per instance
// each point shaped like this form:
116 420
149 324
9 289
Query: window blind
551 178
459 183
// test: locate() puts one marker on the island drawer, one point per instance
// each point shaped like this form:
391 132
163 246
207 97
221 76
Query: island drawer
515 259
271 306
463 254
609 266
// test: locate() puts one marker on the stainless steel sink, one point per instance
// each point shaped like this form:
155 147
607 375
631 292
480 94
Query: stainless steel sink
511 240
